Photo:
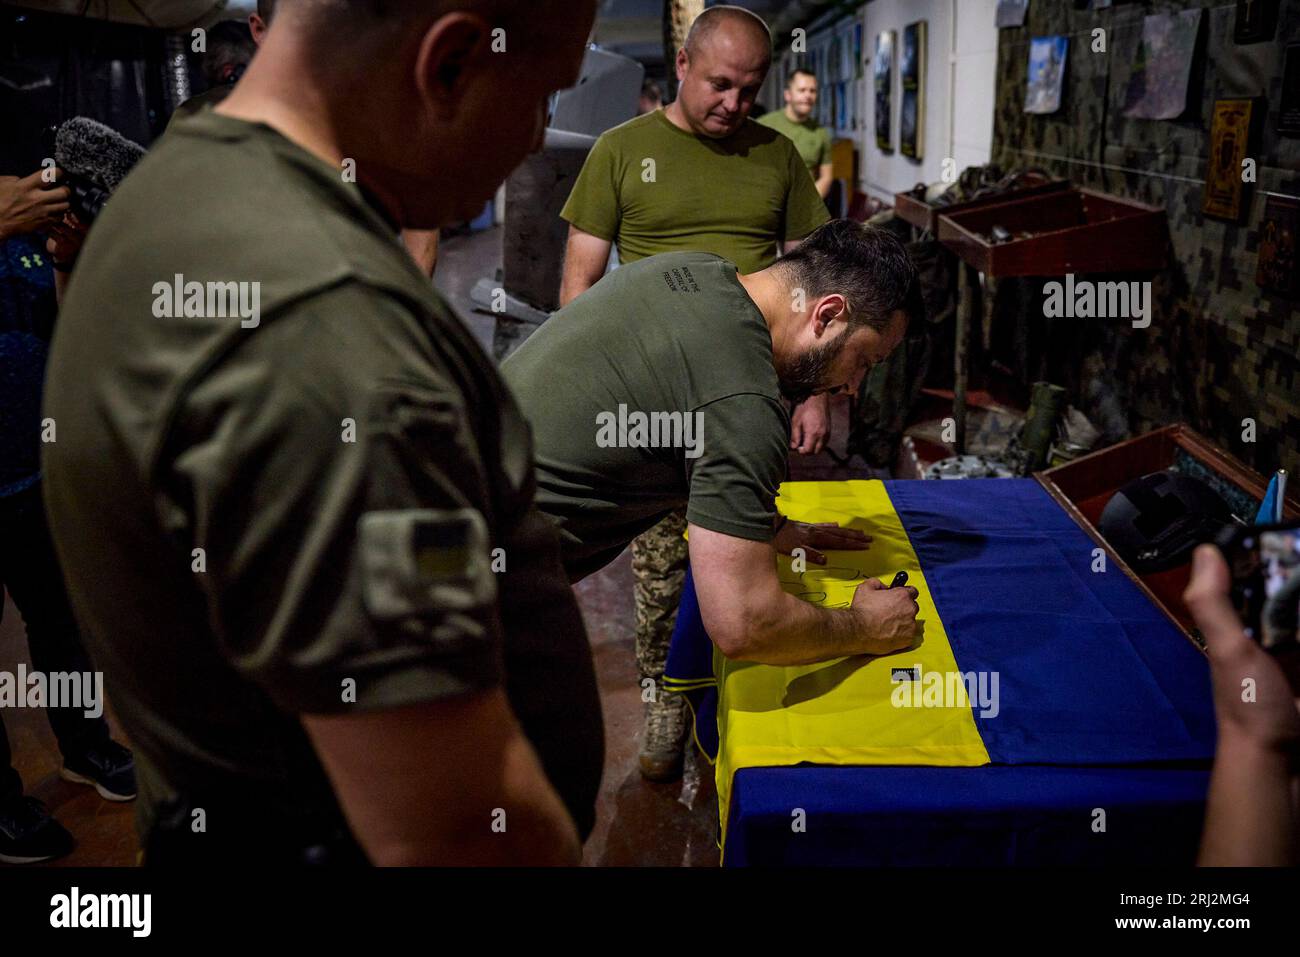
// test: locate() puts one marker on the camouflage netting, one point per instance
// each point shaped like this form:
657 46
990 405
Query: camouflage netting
1219 349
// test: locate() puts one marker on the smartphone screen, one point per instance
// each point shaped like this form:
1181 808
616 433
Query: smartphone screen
1265 565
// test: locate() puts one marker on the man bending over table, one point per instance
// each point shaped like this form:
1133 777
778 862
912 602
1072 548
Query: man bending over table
661 387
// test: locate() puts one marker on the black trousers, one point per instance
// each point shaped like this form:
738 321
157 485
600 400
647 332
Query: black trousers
29 570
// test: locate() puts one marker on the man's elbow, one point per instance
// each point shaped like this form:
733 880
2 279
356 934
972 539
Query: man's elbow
743 637
573 284
732 641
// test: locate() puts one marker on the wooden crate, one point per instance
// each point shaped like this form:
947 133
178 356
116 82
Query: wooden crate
1059 232
1084 486
923 215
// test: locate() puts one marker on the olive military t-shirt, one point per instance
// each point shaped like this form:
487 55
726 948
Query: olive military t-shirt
651 187
812 140
653 390
309 493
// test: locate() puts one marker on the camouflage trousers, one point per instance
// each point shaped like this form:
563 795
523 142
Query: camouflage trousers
659 567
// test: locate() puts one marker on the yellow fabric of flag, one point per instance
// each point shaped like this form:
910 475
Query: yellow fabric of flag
850 711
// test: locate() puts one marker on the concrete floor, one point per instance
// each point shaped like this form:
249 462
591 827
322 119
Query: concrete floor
638 824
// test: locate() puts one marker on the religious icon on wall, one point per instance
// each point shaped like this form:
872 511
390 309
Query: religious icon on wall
1046 74
1288 118
1278 270
1011 13
1157 87
884 72
911 80
1256 21
1229 140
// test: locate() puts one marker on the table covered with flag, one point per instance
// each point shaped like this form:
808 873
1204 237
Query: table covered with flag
1051 714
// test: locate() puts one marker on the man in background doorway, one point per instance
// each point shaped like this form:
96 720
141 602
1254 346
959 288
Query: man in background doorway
811 139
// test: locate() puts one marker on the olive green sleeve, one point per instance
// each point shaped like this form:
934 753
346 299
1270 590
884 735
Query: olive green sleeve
593 204
735 479
346 552
804 208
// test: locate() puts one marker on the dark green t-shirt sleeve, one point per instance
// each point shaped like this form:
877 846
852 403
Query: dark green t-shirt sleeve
824 147
342 526
593 203
734 481
804 208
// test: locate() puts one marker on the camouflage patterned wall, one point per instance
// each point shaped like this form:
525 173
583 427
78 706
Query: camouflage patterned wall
1219 348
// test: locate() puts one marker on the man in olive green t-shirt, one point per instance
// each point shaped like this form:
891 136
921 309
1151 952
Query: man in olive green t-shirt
284 468
811 139
700 176
661 388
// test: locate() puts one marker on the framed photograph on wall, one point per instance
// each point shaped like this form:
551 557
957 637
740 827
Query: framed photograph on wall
884 74
1157 87
1229 142
911 82
1279 271
1046 74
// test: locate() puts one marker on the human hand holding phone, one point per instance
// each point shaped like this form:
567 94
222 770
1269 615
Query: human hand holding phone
1253 697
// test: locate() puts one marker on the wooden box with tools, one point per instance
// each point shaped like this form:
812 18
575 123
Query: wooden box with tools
925 215
1058 232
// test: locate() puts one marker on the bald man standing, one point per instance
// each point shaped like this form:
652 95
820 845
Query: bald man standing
697 176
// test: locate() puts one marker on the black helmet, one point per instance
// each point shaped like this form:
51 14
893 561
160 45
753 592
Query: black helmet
1156 521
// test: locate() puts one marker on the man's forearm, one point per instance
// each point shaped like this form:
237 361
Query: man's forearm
790 631
575 282
529 839
571 287
1250 812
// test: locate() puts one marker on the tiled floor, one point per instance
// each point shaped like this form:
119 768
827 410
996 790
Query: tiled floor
639 823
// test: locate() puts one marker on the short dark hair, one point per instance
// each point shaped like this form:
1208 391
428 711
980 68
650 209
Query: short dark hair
230 48
796 72
266 10
866 265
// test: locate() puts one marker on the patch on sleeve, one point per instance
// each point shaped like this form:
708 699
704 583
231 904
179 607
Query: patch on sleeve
419 562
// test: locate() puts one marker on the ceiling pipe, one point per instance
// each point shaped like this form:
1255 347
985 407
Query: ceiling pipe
798 14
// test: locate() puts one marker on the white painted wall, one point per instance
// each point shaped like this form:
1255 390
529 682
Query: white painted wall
961 68
975 66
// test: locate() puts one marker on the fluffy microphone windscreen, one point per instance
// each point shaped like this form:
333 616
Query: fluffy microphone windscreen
93 151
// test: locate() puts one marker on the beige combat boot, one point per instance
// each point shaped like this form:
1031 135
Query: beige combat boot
663 736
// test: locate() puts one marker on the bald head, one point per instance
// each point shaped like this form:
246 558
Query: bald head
720 69
729 23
